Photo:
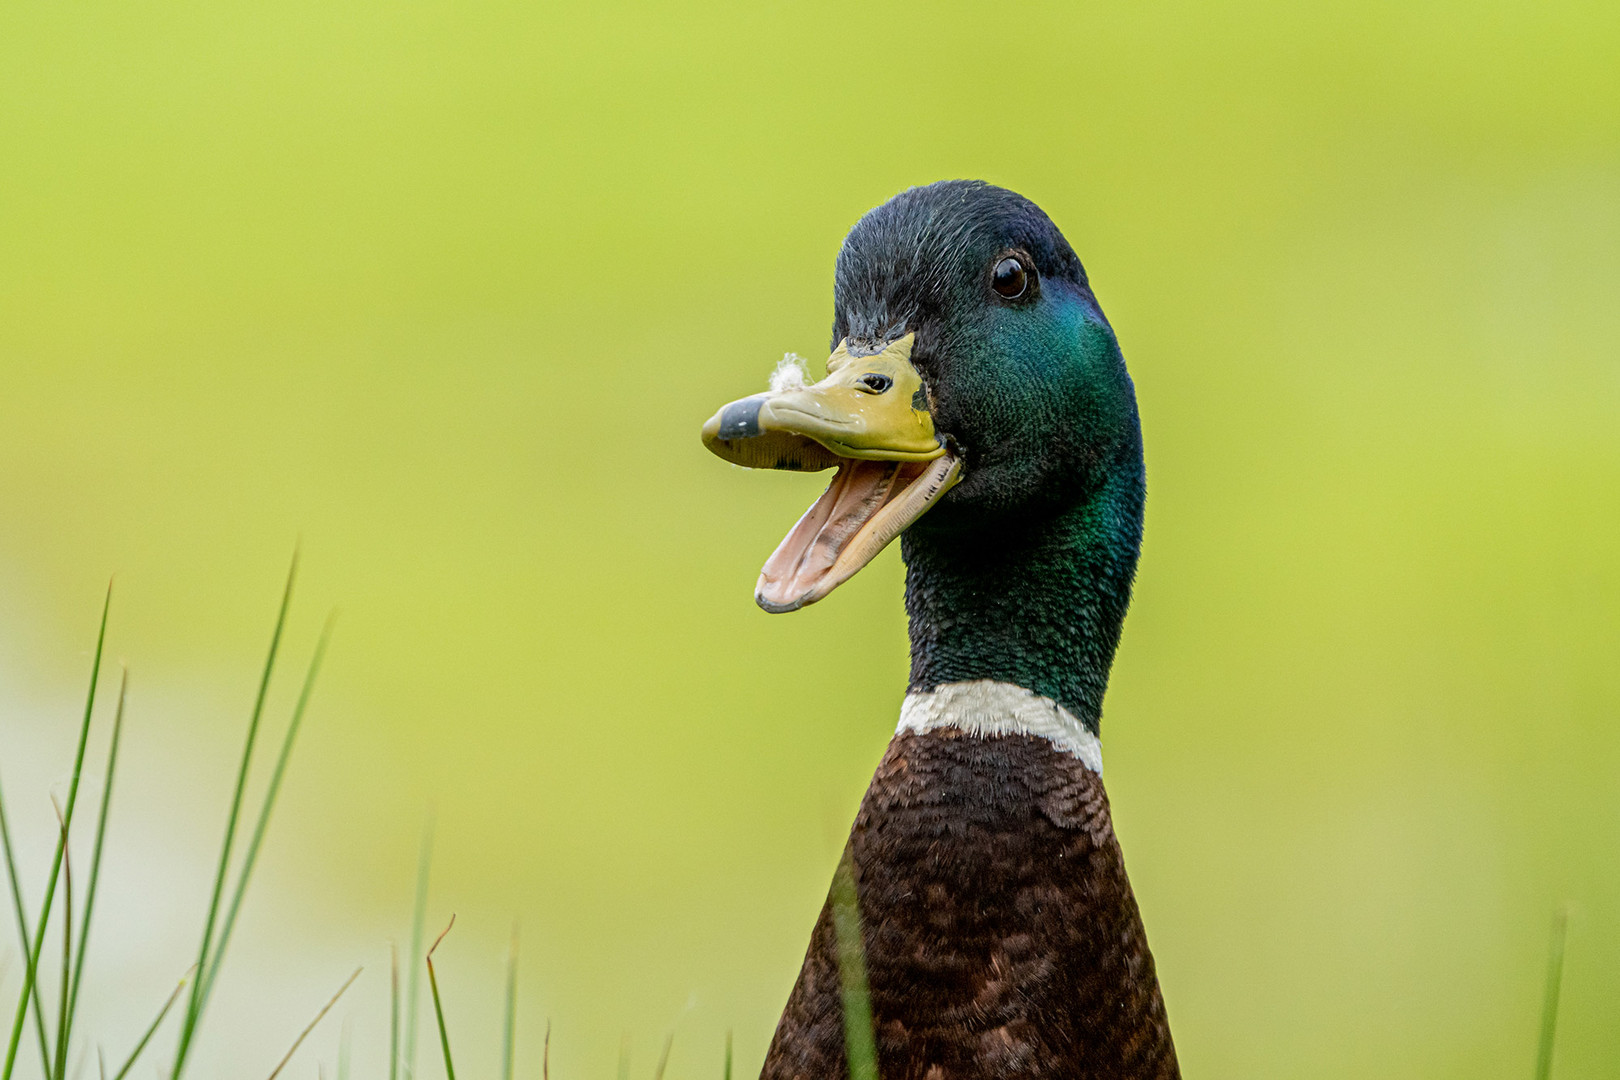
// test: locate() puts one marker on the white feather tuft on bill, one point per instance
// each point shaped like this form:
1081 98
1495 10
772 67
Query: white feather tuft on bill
793 373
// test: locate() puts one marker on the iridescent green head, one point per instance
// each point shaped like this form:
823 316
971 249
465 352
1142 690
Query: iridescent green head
978 404
1021 369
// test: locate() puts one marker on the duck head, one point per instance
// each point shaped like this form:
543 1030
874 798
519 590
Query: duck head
974 387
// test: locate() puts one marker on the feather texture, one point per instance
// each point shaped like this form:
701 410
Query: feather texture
1002 937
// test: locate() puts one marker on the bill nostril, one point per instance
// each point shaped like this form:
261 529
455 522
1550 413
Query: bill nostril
874 382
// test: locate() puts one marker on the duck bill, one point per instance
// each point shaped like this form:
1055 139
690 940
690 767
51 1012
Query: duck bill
869 420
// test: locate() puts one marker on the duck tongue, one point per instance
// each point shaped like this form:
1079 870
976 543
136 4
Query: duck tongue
867 505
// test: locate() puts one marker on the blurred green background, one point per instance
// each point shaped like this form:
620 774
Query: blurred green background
446 290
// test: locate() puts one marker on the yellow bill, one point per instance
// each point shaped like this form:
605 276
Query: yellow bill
869 419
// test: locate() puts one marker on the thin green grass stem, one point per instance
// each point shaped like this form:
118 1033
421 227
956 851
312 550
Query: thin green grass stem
663 1057
302 1035
344 1042
32 972
151 1029
195 1004
21 908
393 1012
509 1035
1549 1001
251 858
624 1058
438 1006
95 855
726 1075
859 1045
413 983
59 1069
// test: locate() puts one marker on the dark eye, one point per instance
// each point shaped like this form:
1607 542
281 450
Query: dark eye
874 382
1009 278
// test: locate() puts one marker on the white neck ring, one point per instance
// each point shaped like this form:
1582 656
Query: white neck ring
986 707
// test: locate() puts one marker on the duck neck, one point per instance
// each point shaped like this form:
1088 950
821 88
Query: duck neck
1039 605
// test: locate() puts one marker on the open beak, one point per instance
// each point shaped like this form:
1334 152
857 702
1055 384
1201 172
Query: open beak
869 419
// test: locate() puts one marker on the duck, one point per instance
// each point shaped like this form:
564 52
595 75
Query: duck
977 407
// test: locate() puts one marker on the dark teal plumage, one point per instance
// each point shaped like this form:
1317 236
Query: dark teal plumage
1023 572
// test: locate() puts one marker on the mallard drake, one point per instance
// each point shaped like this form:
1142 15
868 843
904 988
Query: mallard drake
977 406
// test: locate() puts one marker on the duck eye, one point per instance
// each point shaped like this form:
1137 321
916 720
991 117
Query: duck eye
874 382
1009 278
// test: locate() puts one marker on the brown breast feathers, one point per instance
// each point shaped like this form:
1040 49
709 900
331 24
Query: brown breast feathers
1002 938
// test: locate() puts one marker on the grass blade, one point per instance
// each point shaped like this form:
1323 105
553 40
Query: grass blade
859 1044
31 974
95 856
727 1074
302 1035
59 1069
545 1055
151 1029
344 1042
663 1057
438 1006
195 1004
21 909
413 991
624 1058
509 1041
251 858
1549 1001
393 1012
